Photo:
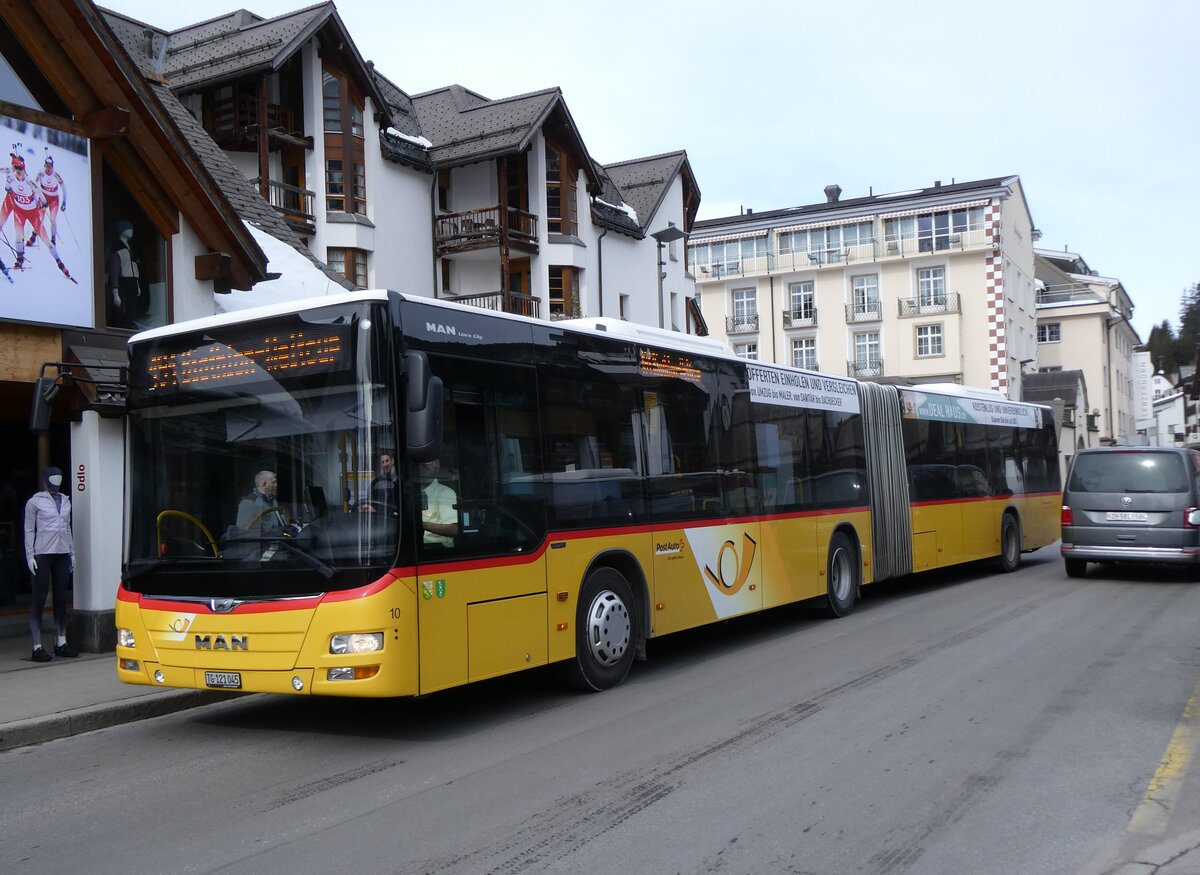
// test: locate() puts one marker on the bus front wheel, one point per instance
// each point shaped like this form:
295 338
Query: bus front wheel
841 576
605 637
1010 543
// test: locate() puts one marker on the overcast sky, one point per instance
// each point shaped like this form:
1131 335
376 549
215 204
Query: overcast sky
1095 104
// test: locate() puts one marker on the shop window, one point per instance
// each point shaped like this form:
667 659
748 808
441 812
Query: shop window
135 261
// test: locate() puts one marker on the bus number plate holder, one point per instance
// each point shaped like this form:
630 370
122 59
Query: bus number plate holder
225 680
1124 516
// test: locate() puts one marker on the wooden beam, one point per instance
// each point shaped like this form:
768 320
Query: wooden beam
112 121
44 119
214 266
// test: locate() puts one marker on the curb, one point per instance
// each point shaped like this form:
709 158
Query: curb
67 723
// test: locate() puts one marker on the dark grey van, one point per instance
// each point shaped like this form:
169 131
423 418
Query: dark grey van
1131 504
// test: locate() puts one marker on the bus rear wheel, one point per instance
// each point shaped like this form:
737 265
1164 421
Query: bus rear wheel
1010 543
605 633
842 576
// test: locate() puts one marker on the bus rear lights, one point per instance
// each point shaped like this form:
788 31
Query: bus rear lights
357 642
1068 516
130 665
125 638
353 673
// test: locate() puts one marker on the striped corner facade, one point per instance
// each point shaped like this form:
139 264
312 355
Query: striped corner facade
994 292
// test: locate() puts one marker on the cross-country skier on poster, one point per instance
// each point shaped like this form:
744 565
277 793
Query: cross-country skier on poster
24 202
54 193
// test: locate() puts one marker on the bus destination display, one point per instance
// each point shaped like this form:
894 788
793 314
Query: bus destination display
250 360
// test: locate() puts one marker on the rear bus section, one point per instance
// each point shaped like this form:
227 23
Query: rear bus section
1131 505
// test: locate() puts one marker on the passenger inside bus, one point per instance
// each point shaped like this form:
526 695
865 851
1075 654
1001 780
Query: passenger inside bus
439 507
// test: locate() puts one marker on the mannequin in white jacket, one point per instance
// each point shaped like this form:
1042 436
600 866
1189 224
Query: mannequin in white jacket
50 554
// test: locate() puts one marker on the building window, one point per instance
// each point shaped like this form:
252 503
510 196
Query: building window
803 302
746 350
725 258
933 231
804 353
136 259
826 245
931 287
866 352
623 306
443 188
866 297
929 340
1049 332
564 293
345 153
745 303
350 263
1050 369
561 209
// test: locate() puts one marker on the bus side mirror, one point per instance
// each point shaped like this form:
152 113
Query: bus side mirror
423 414
44 391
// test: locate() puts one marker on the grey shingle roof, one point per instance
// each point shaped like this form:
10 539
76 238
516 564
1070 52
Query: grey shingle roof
606 208
643 182
464 126
1042 388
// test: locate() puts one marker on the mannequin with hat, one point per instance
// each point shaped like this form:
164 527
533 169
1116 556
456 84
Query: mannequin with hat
50 555
128 299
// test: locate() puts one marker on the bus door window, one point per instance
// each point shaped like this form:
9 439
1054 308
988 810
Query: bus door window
490 463
593 467
837 459
930 448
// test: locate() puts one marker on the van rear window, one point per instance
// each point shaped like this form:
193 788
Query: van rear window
1128 472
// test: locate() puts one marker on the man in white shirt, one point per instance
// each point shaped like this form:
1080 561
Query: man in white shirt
439 514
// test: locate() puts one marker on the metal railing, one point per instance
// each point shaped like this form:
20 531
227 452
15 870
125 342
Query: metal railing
864 311
1068 293
480 228
923 306
517 302
805 317
289 200
870 367
740 324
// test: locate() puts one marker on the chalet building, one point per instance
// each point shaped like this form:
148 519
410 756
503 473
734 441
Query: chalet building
496 203
144 233
1084 323
928 285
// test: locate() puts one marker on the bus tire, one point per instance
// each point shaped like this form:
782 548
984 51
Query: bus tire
605 633
842 576
1075 567
1010 543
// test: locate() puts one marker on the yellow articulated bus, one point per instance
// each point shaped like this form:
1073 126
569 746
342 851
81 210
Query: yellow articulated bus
373 495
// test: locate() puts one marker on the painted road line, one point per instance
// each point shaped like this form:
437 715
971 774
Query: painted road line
1154 814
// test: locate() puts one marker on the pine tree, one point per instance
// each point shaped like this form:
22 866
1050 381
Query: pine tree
1164 348
1189 325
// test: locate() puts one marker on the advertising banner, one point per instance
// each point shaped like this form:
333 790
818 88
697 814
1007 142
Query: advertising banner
45 226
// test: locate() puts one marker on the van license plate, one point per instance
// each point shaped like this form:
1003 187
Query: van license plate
226 680
1124 516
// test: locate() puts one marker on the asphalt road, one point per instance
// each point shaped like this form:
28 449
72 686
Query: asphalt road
960 723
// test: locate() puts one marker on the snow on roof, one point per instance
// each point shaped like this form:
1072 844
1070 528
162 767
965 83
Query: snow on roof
420 141
298 278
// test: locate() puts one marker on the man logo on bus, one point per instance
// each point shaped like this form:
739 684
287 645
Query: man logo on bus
728 562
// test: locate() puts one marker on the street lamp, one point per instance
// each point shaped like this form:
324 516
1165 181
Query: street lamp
667 235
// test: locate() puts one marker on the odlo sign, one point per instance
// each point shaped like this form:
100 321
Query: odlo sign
219 642
730 563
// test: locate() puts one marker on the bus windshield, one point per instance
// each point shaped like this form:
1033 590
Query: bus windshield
263 456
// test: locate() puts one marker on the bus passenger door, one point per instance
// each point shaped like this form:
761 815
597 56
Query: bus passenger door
482 607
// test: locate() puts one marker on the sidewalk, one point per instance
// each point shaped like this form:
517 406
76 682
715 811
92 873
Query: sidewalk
44 701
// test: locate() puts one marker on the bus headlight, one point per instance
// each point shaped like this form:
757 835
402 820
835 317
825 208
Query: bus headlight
125 638
357 642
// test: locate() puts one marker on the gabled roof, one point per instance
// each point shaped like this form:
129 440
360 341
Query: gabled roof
465 127
1045 386
643 182
611 210
234 45
873 204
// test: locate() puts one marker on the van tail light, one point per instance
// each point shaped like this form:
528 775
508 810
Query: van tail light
1068 516
1191 518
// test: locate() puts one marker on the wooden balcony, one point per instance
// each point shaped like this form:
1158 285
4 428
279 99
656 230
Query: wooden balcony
516 302
294 204
480 229
233 123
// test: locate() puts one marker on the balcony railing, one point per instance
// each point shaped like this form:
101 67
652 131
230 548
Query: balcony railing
293 203
234 118
867 367
864 311
480 229
805 317
1067 293
516 302
864 252
923 306
741 324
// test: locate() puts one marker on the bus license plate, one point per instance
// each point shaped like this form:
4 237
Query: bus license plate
1124 516
226 680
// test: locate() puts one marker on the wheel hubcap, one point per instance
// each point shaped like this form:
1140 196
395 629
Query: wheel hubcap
609 628
839 575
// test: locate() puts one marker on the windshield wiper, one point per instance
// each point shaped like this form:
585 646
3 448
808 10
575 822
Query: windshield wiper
308 557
